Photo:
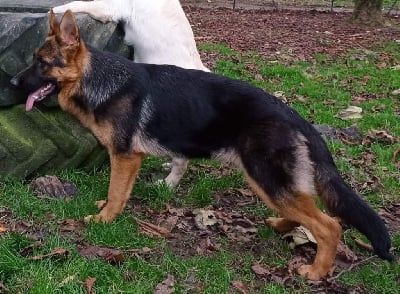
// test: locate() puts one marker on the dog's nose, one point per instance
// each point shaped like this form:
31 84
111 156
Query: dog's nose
14 81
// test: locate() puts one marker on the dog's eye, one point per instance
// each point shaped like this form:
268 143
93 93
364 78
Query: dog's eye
42 63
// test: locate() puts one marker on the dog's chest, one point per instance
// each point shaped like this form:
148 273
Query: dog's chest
102 129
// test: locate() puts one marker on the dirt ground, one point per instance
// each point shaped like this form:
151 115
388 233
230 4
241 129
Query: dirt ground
291 34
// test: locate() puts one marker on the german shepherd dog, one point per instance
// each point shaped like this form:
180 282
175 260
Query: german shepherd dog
159 32
137 109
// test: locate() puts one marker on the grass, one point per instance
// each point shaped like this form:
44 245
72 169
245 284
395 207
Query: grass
307 87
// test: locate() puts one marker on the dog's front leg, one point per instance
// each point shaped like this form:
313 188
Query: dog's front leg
99 10
124 169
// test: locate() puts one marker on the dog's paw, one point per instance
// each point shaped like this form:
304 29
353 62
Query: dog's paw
164 182
92 218
273 222
60 9
100 203
160 182
310 272
102 217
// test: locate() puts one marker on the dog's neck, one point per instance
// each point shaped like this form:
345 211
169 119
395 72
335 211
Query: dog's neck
97 87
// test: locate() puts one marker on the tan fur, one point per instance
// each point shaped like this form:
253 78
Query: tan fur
280 224
124 169
304 169
302 209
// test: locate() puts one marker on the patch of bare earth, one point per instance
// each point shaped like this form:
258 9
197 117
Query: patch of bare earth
286 34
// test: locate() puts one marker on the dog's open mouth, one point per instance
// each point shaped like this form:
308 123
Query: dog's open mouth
39 95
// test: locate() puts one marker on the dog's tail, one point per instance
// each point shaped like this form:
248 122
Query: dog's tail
342 201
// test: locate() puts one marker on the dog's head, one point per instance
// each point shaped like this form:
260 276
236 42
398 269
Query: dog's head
54 63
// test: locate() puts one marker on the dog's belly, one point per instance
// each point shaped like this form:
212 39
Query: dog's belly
184 149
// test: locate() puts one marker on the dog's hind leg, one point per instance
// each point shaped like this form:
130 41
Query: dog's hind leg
301 208
124 169
279 168
178 169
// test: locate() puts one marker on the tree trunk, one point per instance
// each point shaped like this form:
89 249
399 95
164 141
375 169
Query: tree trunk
368 11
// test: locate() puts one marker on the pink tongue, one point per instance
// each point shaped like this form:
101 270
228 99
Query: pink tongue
30 101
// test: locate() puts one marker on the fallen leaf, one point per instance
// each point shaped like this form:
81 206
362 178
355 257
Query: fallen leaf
21 226
204 218
51 216
281 96
166 286
345 254
206 246
258 77
246 192
170 222
240 229
351 112
378 108
295 263
111 255
301 98
300 236
89 283
28 250
151 229
3 228
381 136
396 92
136 252
71 225
175 211
240 286
258 269
57 252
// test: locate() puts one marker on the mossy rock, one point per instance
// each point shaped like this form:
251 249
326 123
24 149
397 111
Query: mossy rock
46 139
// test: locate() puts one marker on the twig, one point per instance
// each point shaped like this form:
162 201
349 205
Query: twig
331 279
150 229
395 154
364 245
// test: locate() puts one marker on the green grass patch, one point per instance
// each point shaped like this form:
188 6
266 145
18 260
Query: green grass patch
317 90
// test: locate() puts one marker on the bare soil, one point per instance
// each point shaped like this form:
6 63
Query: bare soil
292 34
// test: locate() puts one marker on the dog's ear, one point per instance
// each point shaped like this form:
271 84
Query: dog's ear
54 25
69 30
